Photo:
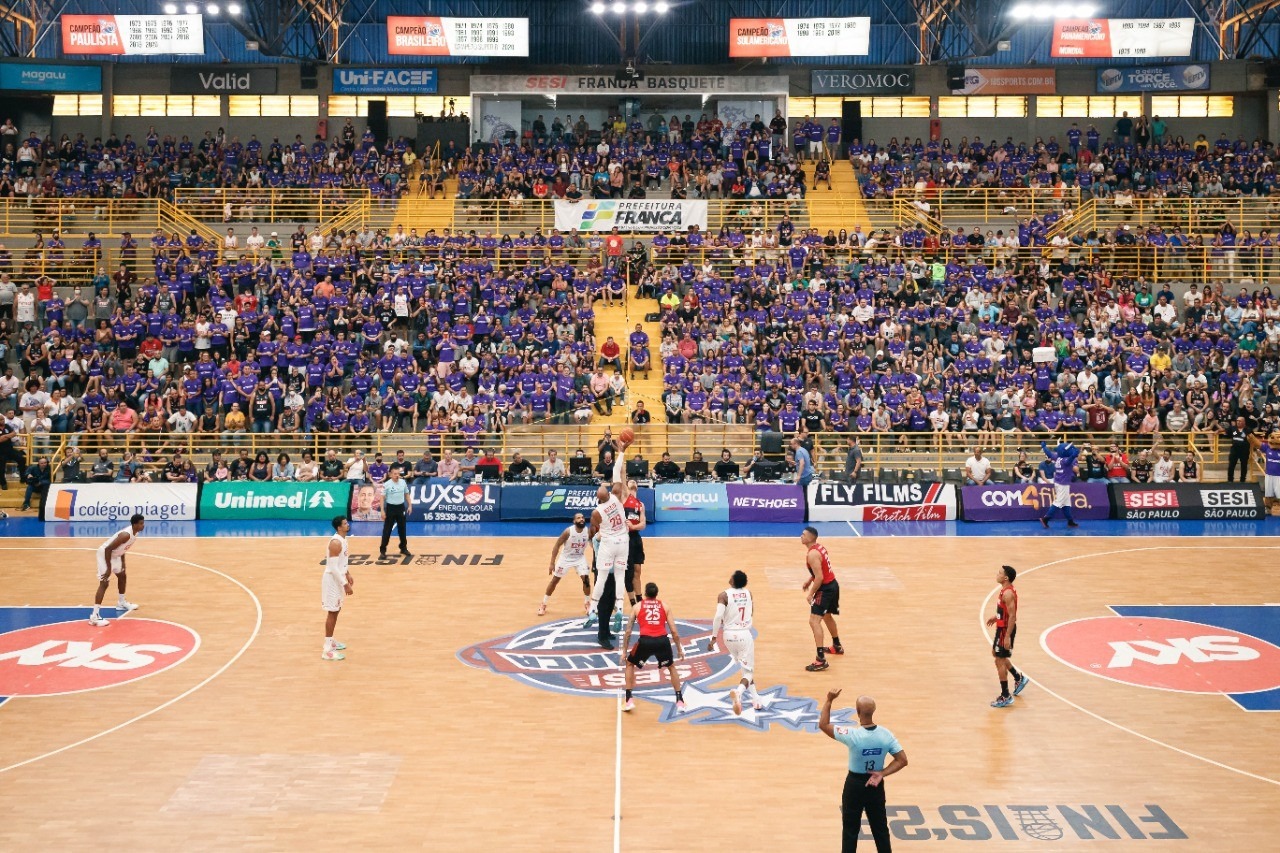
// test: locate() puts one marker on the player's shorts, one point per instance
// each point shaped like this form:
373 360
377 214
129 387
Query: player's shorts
635 550
1271 484
332 594
117 565
741 646
562 568
612 554
1061 496
827 601
1004 651
652 647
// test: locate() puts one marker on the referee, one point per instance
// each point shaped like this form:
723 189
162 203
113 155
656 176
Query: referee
868 745
396 505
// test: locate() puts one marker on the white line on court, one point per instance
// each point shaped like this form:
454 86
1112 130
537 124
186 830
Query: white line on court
854 529
617 779
257 626
982 622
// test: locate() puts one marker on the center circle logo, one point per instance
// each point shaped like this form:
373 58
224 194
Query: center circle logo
73 657
565 657
1166 654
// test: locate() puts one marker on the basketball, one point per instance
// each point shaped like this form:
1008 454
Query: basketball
627 435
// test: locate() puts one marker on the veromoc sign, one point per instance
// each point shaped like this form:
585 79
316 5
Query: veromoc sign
863 81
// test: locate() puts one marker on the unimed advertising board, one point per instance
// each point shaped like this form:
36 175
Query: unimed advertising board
291 501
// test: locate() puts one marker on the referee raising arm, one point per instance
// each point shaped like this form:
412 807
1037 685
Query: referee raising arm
868 745
396 505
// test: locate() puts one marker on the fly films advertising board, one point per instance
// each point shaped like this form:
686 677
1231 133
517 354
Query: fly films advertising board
919 501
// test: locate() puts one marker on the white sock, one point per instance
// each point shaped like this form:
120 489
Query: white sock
545 599
95 611
755 694
328 643
121 597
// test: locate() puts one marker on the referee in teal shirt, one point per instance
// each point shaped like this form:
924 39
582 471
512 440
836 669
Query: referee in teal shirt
396 506
869 746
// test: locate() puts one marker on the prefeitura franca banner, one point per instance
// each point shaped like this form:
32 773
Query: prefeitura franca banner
430 36
132 35
607 214
799 37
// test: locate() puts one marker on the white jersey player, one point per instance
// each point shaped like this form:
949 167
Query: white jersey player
609 519
110 558
570 552
732 626
335 586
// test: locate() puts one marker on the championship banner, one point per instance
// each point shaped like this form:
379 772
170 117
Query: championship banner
443 500
750 37
692 502
1187 501
384 81
766 502
1009 81
118 501
1030 501
919 501
558 502
1130 38
132 35
628 216
285 500
430 36
1154 78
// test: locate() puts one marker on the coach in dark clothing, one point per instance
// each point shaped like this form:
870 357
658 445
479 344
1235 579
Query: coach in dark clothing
1238 435
38 478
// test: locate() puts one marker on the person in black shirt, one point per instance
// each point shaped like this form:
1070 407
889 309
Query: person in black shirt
331 468
726 468
520 468
813 419
666 470
1238 435
37 477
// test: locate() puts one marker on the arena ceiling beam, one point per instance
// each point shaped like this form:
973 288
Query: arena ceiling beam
1246 30
307 30
19 24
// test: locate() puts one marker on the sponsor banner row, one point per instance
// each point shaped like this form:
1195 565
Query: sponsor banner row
558 503
747 502
223 80
918 501
436 36
114 502
555 84
1154 78
132 35
1027 502
754 37
1122 38
39 77
1009 81
384 81
604 215
1187 501
285 501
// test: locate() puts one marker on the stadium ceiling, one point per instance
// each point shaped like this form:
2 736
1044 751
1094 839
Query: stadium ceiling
906 31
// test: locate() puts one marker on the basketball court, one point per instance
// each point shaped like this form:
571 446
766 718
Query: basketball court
462 721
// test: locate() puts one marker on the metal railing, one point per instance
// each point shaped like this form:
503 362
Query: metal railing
283 206
910 454
969 205
75 218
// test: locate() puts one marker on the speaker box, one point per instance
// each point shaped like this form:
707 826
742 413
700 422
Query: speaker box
771 445
955 77
378 121
851 121
309 76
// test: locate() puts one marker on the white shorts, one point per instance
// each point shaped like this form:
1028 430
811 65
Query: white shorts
1061 495
332 594
741 646
581 567
1271 484
117 565
815 147
613 555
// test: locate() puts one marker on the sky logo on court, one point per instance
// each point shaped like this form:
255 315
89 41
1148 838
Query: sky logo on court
49 651
564 657
1232 651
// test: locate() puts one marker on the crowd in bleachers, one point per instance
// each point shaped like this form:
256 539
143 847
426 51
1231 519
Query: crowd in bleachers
156 165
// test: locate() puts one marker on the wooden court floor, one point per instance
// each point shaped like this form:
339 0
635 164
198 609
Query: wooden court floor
432 736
